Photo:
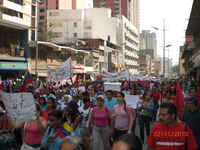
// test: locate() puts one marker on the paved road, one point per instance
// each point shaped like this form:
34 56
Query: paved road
137 132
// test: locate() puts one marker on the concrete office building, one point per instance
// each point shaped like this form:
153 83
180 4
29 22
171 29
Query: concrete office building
130 45
71 25
148 42
127 8
17 28
60 4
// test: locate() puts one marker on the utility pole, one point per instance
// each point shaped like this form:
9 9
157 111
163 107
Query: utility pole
36 56
164 47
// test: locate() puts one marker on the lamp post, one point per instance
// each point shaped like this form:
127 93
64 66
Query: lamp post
163 30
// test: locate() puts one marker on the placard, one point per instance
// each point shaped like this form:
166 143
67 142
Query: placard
20 106
115 86
132 100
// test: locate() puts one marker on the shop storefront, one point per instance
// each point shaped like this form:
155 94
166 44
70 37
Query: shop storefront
12 68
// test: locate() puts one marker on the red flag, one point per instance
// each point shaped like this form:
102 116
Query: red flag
179 100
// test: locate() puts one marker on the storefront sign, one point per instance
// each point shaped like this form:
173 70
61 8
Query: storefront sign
13 65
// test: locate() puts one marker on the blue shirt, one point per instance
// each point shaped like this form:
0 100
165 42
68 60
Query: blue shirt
56 144
110 103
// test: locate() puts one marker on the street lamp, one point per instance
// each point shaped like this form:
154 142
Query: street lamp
163 44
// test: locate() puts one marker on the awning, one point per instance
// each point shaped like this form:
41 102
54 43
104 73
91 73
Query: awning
13 65
13 25
11 58
53 45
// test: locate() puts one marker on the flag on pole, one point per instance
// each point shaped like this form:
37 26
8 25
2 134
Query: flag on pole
27 80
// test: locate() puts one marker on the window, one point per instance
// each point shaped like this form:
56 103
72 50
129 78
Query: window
75 24
42 17
33 21
58 34
20 2
41 10
53 13
33 10
88 28
57 4
75 35
33 35
11 12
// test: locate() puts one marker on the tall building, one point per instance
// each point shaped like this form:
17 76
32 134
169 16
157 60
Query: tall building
127 8
130 45
72 25
148 42
75 4
17 28
43 7
60 4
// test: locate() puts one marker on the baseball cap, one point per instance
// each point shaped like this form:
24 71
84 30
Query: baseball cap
100 96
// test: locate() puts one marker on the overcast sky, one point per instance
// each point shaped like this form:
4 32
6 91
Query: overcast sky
176 14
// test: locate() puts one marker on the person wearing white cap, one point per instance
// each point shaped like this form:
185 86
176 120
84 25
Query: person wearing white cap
99 121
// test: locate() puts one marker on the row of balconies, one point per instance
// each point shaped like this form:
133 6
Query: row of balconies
13 11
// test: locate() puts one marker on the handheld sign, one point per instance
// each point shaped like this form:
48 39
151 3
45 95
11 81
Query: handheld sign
20 106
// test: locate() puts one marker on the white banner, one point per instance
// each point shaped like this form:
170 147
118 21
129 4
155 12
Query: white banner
62 72
20 106
116 86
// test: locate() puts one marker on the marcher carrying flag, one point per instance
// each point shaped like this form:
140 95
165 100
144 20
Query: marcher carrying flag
26 81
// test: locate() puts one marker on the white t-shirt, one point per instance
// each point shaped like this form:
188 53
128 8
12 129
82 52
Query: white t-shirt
85 114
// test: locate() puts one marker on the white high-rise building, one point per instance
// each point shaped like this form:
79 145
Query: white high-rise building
96 23
20 14
18 26
130 43
148 41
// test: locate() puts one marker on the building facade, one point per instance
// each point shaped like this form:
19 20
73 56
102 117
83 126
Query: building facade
148 41
75 4
17 28
60 4
145 62
71 25
130 45
127 8
43 7
156 67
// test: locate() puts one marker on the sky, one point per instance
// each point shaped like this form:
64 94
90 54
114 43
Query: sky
175 13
